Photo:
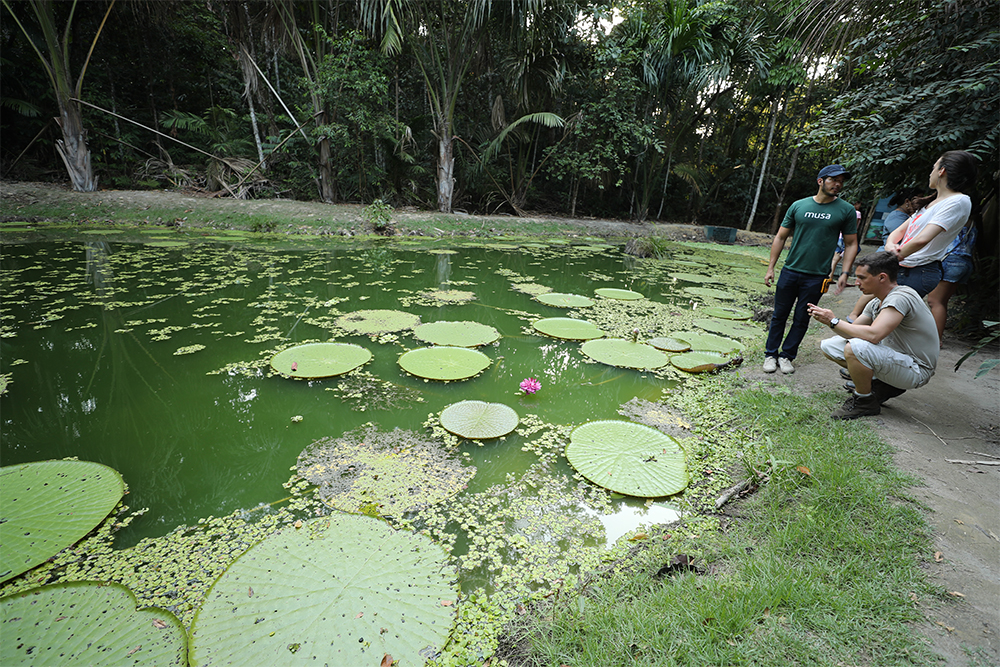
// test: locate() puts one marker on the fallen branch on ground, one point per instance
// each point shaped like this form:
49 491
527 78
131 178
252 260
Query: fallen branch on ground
974 463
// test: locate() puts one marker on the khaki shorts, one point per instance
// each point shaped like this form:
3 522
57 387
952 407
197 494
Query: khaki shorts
892 367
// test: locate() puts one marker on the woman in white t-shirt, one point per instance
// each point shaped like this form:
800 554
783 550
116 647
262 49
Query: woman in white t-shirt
923 240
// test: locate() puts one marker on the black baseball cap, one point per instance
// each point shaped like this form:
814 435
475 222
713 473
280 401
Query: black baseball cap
831 170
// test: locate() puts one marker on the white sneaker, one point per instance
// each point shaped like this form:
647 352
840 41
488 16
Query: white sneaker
770 364
786 365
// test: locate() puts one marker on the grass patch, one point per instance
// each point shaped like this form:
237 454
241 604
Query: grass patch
819 567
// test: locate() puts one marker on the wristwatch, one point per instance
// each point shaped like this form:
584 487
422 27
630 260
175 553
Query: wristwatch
834 322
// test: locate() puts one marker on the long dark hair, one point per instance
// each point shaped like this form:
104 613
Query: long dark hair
961 167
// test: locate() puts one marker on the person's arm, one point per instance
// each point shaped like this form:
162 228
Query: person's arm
850 252
892 243
863 327
777 245
918 241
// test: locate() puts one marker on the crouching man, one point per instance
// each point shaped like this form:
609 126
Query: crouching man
892 347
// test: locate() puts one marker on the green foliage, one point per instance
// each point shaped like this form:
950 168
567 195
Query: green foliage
378 215
920 85
988 339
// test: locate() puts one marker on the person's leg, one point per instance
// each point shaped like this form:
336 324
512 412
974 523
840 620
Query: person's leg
808 292
937 299
861 374
784 299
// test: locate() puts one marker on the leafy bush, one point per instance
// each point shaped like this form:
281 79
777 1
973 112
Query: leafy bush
378 214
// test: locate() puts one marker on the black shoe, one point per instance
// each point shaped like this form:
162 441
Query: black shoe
858 406
844 373
883 392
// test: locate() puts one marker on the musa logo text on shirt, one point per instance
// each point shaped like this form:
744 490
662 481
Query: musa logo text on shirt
821 216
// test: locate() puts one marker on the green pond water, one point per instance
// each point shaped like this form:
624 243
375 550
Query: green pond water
94 335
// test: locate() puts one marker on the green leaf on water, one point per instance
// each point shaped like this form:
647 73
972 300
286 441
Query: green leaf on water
370 322
694 278
87 623
706 342
319 360
567 328
669 344
48 505
628 458
727 313
624 353
710 292
562 300
343 590
479 420
444 362
620 294
458 334
728 328
699 362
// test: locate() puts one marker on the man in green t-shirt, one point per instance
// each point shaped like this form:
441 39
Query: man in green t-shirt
815 224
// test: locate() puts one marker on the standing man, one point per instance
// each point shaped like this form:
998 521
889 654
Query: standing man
814 223
894 339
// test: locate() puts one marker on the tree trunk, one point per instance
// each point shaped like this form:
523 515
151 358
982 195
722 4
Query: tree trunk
763 168
445 169
72 148
326 190
784 191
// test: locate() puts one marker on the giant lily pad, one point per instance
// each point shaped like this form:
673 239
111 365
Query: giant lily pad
710 292
562 300
706 342
727 313
342 590
694 278
444 362
727 328
478 420
390 472
568 328
48 505
320 360
620 294
669 344
459 334
87 623
628 458
372 322
624 353
449 295
700 362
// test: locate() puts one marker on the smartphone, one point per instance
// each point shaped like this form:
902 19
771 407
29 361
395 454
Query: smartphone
826 285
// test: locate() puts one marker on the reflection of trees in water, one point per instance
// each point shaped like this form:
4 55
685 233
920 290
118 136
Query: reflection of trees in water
99 271
443 269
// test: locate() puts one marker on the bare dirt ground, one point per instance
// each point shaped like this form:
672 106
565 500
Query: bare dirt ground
954 418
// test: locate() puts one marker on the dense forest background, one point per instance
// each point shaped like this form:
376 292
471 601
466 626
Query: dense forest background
716 112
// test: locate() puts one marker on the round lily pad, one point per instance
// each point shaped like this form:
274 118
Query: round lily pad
628 458
624 353
706 342
459 334
444 362
699 362
669 344
562 300
372 322
388 472
478 420
694 278
320 360
48 505
727 313
710 292
727 328
620 294
87 623
449 295
568 328
341 590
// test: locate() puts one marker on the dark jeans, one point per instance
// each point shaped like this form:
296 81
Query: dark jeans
923 278
798 290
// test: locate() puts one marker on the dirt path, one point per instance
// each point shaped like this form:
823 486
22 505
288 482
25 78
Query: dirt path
954 417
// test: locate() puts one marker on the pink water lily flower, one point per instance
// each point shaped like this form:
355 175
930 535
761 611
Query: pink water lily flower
530 385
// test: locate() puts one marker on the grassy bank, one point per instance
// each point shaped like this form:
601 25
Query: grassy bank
821 566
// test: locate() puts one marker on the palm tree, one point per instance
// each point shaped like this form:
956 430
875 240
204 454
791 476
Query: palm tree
54 56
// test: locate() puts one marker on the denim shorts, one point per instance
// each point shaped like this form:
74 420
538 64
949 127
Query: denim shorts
957 269
923 278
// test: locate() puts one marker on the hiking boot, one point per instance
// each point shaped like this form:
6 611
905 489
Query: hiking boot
770 364
844 373
785 365
857 406
883 391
